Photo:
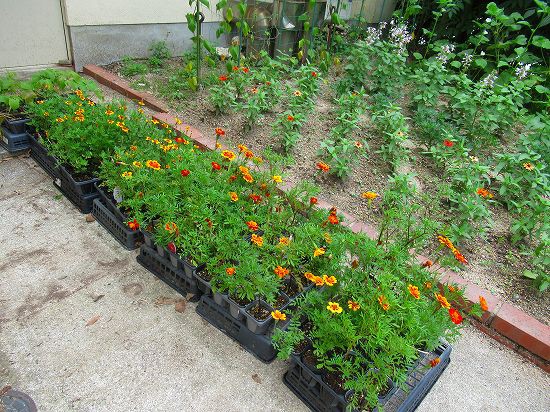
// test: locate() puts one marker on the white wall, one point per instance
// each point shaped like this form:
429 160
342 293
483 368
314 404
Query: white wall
103 12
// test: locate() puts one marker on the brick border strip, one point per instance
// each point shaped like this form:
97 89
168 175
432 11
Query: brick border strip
123 87
503 322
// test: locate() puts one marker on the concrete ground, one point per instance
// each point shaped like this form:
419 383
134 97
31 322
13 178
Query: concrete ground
83 327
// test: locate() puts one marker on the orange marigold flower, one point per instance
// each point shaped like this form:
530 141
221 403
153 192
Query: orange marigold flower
133 148
455 316
460 257
219 131
255 198
434 362
427 264
245 69
134 225
109 112
216 166
248 154
448 143
137 164
428 285
329 280
314 74
529 166
442 300
309 276
153 164
257 240
232 178
358 144
252 225
223 78
284 241
230 271
242 147
254 90
369 195
333 219
235 68
323 166
233 196
290 118
281 272
484 193
483 303
353 305
278 315
319 251
451 288
229 155
248 178
383 302
171 227
318 280
334 307
413 290
185 172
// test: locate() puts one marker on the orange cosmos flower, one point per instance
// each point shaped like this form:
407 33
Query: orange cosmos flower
413 290
455 316
383 302
229 155
281 272
277 315
319 251
353 305
323 166
434 362
134 225
153 164
257 240
329 280
442 300
230 271
334 307
529 166
483 303
252 225
233 196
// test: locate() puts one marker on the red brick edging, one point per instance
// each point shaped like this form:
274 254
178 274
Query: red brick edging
502 321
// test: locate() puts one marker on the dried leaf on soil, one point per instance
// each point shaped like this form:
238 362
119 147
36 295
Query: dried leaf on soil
256 378
90 218
93 320
163 300
180 305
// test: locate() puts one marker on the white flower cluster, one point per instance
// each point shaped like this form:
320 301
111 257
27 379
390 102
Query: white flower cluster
489 81
467 60
446 50
373 35
522 70
400 36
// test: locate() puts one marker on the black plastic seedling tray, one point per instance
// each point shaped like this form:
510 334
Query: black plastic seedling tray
14 142
41 156
128 238
259 345
319 397
163 269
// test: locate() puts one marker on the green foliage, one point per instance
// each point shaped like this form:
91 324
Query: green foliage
131 68
159 53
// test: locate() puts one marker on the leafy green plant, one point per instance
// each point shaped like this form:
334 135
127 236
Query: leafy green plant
131 68
159 54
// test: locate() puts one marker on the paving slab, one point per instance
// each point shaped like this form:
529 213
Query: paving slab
83 327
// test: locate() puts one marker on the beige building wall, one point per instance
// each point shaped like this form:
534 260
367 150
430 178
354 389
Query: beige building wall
105 12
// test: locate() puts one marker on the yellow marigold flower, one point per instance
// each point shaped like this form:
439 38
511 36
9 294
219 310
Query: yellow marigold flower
413 290
297 93
141 103
40 102
318 280
233 196
383 302
242 147
353 305
442 300
155 121
319 251
278 315
329 280
529 166
244 170
178 121
109 112
137 164
369 195
153 164
124 129
230 271
248 178
309 276
334 307
127 175
257 240
59 120
277 179
229 155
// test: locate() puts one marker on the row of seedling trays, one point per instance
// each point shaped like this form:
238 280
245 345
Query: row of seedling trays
250 323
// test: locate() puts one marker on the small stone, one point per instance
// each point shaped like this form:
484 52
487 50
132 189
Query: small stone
90 218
